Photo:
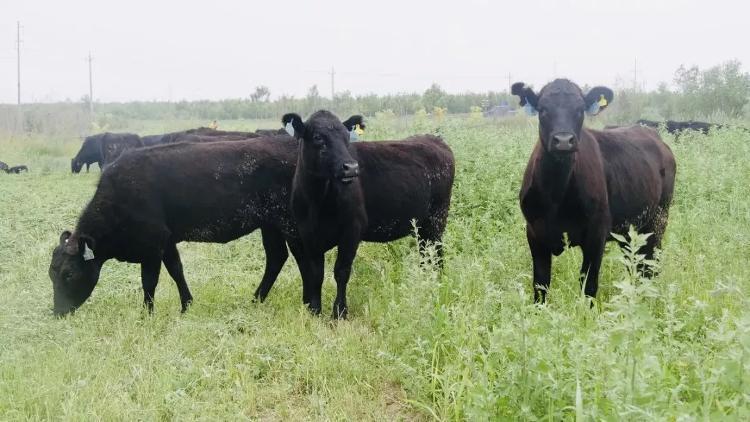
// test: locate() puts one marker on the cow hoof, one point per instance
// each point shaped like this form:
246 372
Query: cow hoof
339 313
315 310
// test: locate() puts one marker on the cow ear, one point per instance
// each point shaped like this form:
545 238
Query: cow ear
70 244
353 121
597 99
64 237
293 125
528 98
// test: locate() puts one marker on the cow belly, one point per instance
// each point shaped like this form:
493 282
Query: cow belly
217 231
386 231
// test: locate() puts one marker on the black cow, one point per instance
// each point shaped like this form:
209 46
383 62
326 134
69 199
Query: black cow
372 191
676 127
150 199
152 140
17 169
589 183
89 153
114 144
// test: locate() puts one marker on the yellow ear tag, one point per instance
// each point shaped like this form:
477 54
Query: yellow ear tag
358 129
602 101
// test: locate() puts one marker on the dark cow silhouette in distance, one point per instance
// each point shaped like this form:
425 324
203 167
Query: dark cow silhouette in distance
675 127
151 199
90 153
589 183
15 169
345 193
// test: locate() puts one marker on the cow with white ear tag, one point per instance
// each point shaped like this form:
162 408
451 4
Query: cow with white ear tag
74 271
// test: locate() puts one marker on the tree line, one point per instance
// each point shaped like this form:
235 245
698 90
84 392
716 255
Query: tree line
718 93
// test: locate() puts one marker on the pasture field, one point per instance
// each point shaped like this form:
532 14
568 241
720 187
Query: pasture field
466 343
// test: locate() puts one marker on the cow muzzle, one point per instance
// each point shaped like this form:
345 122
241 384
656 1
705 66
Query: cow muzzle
564 142
349 171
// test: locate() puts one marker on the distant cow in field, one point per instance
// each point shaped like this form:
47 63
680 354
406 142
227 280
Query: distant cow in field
589 183
676 127
90 153
17 169
150 199
345 193
114 144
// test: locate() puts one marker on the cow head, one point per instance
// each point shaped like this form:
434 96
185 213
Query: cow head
324 145
74 271
76 166
561 106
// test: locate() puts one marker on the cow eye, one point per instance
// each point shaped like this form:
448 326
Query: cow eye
318 141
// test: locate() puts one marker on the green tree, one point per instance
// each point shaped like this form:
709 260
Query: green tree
261 94
433 97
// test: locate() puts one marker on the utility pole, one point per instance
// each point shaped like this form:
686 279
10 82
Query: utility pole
91 89
333 91
18 58
510 84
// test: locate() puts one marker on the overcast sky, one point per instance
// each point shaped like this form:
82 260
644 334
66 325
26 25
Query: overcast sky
159 50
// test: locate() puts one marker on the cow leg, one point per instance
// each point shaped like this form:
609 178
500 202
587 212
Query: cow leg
173 263
276 255
150 278
87 167
341 272
296 248
297 252
653 242
593 251
541 257
313 283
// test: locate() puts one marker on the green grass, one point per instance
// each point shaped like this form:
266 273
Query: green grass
464 344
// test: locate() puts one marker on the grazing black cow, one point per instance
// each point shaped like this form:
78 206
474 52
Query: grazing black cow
17 169
153 198
589 183
675 127
114 144
372 191
90 152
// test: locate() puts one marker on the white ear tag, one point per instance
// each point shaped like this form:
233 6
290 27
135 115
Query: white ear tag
529 109
289 129
88 254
